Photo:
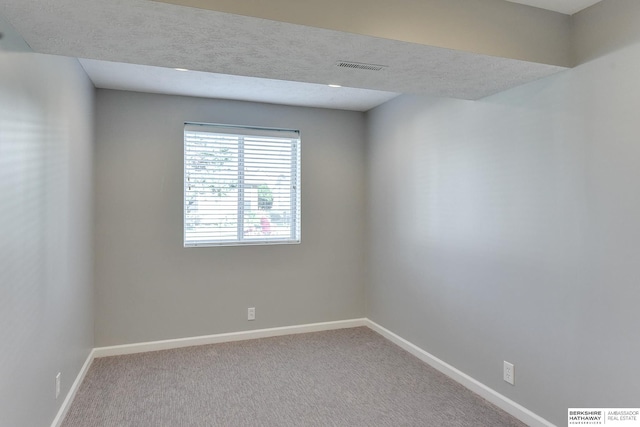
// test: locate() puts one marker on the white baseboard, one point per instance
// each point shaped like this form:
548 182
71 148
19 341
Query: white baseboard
502 402
118 350
64 408
188 342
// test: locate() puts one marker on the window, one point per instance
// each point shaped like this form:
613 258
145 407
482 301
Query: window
241 185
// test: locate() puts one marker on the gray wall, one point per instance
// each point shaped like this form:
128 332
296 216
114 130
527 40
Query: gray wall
150 288
46 293
508 229
604 27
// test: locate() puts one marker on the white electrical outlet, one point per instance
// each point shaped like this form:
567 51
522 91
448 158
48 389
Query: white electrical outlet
251 313
58 378
509 373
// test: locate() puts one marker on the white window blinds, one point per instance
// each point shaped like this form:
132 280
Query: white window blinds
241 185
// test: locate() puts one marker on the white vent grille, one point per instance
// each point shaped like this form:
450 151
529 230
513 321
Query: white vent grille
360 66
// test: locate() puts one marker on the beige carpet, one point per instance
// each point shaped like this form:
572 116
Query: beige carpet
349 377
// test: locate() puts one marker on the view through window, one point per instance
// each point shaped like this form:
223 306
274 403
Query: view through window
241 185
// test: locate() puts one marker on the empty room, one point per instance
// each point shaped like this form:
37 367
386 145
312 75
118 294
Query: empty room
311 213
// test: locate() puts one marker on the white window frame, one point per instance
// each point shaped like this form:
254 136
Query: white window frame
252 134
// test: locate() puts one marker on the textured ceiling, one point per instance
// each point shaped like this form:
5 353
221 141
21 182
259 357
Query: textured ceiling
163 35
568 7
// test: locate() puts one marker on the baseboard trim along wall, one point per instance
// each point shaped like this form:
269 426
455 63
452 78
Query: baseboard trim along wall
506 404
66 404
118 350
502 402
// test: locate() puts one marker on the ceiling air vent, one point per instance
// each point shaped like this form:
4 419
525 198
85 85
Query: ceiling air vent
360 66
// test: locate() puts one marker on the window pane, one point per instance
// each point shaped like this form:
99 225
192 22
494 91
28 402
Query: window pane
240 188
267 167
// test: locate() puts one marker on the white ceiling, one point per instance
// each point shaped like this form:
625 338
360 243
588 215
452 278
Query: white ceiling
145 78
135 44
568 7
